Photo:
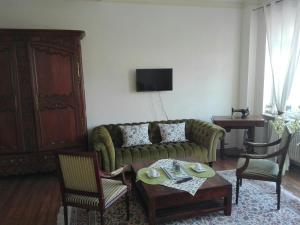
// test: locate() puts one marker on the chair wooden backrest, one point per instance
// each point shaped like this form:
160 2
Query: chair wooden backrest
283 148
78 174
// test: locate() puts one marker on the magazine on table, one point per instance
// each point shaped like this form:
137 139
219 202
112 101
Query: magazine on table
175 175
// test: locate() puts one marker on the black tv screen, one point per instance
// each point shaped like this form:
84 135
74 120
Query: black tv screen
154 79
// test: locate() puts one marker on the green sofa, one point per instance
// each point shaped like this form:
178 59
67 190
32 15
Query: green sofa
203 138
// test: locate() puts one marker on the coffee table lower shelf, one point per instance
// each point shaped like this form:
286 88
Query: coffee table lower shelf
188 211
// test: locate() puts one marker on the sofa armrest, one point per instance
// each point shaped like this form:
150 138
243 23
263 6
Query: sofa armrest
208 135
103 145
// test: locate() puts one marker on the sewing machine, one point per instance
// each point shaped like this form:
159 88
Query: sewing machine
244 112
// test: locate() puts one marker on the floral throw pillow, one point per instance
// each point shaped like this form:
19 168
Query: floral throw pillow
135 135
172 132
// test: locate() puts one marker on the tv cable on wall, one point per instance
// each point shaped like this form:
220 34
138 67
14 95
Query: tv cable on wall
155 80
163 106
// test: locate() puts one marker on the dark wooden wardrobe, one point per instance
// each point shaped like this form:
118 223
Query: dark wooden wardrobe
42 104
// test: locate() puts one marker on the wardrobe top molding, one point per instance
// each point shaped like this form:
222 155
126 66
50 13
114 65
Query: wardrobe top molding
46 32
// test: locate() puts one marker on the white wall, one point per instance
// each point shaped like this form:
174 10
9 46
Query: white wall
244 59
201 44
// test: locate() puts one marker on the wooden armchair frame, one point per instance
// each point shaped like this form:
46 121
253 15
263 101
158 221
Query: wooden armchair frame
282 152
99 194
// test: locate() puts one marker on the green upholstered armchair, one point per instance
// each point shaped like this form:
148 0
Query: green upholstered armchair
83 185
203 138
259 167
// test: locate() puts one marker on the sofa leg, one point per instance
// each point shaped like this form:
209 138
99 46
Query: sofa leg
210 164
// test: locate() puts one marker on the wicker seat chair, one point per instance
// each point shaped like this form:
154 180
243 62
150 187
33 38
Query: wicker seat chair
83 185
258 167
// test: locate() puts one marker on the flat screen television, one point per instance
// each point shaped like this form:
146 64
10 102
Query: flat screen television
154 79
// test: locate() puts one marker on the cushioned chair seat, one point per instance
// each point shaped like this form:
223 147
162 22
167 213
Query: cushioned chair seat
180 150
262 167
111 190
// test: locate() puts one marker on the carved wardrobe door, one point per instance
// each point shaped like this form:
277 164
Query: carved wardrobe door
57 88
10 126
42 106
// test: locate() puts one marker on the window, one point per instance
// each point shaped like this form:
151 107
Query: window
293 102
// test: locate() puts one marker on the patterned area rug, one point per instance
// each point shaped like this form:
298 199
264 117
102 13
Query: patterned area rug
257 206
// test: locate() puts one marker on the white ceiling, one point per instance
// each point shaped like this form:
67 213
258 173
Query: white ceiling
208 3
212 3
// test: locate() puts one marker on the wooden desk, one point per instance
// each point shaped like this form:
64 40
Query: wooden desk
228 123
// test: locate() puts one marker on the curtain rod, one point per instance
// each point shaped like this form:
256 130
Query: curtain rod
269 4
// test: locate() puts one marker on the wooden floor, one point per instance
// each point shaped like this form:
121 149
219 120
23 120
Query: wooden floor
35 200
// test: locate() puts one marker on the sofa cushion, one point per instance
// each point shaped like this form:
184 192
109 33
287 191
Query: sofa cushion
154 132
181 150
135 135
174 132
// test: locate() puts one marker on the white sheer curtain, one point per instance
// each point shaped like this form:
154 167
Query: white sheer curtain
283 37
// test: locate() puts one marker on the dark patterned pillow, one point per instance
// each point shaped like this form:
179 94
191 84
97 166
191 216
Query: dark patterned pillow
172 132
135 135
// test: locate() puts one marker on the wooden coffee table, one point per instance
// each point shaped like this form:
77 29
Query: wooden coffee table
164 204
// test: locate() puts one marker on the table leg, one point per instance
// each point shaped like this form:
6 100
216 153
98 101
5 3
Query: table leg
222 148
251 137
151 213
228 204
